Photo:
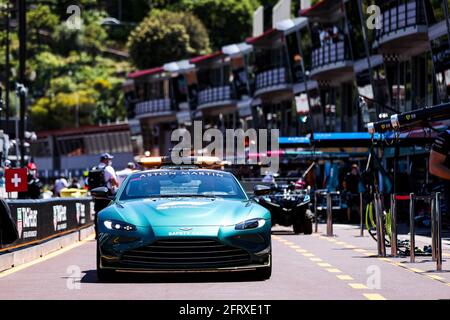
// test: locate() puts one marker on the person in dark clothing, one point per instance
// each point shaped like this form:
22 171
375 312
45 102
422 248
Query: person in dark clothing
351 188
74 184
34 184
439 164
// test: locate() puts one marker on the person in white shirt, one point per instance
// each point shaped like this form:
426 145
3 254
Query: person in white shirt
109 173
111 183
123 174
60 184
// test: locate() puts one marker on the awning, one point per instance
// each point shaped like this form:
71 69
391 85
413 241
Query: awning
266 35
141 73
206 57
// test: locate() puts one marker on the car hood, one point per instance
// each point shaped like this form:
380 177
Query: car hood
182 212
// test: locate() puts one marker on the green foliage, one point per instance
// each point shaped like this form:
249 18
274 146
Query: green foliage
228 21
167 36
69 75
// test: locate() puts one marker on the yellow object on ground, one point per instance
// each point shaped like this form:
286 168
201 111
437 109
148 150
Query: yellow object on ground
73 193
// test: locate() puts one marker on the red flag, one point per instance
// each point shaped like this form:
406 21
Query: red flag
16 180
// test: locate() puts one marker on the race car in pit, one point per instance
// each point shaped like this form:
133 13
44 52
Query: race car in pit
175 218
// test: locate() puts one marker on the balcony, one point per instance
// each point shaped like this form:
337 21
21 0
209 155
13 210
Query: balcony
272 80
154 108
403 29
332 63
216 97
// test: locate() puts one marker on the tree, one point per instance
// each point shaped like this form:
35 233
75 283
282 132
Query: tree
165 36
228 21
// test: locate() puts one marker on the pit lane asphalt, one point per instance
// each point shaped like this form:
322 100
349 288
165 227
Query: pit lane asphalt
304 267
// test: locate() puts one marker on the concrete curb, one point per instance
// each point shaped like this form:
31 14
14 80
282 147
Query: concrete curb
21 256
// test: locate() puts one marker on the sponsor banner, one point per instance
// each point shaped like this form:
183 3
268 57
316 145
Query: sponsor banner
41 219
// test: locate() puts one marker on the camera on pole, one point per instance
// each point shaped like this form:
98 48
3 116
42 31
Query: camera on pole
21 90
416 118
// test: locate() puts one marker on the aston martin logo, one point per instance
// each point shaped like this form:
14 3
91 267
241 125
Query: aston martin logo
185 229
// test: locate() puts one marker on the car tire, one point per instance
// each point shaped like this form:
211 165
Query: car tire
308 227
298 227
103 275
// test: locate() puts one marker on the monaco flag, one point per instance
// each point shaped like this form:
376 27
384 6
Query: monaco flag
16 180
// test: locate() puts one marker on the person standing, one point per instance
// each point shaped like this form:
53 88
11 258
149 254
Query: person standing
123 174
60 184
351 186
105 176
439 164
34 184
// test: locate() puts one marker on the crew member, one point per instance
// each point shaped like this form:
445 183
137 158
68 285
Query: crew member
123 174
34 184
351 186
439 163
109 181
60 184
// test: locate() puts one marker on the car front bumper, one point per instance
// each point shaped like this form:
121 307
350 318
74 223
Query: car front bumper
203 249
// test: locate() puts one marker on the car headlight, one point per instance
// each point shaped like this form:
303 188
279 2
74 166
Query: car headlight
250 224
118 225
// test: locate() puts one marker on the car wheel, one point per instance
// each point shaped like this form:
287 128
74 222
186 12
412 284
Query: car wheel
298 227
103 275
308 227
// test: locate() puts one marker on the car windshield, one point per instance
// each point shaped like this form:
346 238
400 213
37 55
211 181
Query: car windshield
186 183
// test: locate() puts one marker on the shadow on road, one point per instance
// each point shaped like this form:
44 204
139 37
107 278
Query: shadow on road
90 276
283 233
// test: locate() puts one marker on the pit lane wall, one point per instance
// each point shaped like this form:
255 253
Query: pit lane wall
44 226
38 220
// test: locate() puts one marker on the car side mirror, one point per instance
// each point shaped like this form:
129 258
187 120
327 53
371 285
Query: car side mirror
261 190
101 193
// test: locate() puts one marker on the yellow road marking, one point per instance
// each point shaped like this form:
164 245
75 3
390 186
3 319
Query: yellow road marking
308 255
45 258
295 247
289 243
324 264
415 269
350 246
315 259
359 250
374 296
344 277
385 259
432 276
301 250
340 242
334 270
358 286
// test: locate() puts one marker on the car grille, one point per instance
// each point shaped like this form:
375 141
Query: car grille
186 253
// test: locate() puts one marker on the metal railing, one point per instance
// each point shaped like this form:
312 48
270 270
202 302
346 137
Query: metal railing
153 106
333 201
215 95
330 53
379 216
273 77
402 16
436 237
